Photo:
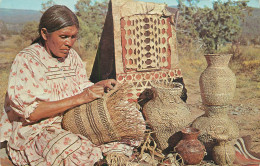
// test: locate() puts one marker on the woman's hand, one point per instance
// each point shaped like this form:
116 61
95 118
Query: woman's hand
93 92
97 90
108 84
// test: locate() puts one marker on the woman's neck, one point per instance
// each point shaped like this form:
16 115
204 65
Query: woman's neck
60 59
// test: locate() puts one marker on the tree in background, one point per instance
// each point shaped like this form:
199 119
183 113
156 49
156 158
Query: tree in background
92 18
3 30
220 24
213 26
30 31
47 5
187 34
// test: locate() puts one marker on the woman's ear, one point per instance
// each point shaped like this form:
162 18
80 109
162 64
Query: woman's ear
44 33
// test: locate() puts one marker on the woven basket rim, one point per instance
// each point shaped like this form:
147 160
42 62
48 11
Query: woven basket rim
156 84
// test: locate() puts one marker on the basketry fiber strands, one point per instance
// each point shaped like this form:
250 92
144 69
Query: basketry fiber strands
166 113
108 119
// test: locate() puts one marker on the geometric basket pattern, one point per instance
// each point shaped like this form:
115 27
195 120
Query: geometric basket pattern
145 42
146 51
142 80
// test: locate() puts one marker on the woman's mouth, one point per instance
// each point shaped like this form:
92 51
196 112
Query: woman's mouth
65 51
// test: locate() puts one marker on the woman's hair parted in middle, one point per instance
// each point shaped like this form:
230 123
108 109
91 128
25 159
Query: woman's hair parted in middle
55 18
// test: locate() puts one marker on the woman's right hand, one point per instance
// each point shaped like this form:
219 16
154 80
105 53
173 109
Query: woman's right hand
93 92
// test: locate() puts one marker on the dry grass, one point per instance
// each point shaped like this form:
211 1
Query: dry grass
3 82
8 51
247 70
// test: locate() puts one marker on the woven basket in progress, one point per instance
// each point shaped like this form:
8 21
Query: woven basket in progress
108 119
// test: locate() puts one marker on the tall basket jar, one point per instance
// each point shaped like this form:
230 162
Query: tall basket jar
217 81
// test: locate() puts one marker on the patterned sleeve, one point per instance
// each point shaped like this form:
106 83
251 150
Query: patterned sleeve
81 72
27 85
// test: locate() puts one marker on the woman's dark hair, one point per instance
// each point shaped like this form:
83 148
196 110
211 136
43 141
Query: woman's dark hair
55 18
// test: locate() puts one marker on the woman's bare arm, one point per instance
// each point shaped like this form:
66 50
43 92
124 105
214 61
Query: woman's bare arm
52 108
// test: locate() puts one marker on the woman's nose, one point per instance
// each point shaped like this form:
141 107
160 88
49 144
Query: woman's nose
69 42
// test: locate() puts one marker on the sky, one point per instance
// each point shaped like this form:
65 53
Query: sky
36 4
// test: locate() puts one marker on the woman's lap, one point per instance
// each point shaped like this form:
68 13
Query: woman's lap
54 146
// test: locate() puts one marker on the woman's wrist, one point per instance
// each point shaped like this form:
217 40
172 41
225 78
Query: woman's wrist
101 83
80 99
86 96
90 95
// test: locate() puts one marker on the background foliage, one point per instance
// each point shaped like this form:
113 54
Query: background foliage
211 27
92 18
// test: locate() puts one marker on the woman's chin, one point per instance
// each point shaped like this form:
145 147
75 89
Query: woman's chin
62 54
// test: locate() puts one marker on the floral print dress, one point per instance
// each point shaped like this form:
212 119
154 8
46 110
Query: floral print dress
35 77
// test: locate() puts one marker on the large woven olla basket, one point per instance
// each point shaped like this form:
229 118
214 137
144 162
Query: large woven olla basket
166 113
108 119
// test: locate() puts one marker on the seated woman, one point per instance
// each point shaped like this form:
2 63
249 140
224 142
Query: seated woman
46 79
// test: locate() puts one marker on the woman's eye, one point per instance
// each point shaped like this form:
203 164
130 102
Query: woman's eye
63 37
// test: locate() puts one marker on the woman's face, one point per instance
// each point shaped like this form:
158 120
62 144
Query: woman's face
59 42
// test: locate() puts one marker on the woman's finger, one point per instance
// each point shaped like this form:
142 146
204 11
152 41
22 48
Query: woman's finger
111 83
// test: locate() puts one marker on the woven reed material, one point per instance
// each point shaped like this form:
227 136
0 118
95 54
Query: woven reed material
166 113
108 119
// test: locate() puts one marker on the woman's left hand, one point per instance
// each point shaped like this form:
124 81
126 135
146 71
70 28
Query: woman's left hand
108 84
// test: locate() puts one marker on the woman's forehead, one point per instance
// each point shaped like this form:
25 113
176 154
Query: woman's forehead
68 30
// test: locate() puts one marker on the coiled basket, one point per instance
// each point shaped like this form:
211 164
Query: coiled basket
108 119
